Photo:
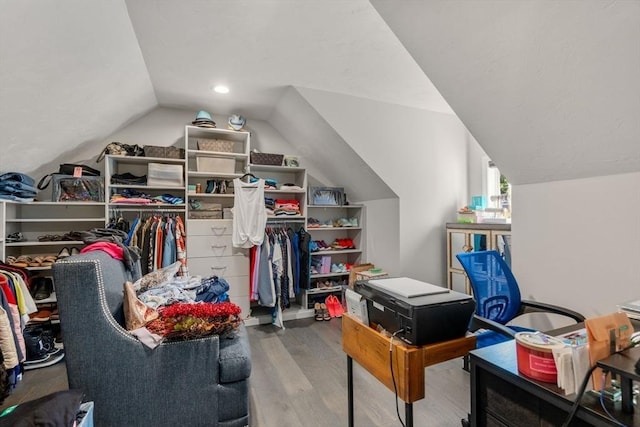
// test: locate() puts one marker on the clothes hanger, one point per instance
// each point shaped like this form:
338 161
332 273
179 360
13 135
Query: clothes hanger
247 175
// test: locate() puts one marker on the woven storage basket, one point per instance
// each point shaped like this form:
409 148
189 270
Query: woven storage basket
163 152
215 145
266 159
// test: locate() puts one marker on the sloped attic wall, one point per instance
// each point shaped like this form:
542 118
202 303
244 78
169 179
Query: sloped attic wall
421 155
550 90
331 161
63 83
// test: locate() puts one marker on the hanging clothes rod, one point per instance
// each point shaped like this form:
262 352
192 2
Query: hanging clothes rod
148 210
285 221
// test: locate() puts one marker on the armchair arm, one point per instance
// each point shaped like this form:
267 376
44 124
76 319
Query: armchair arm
478 322
528 306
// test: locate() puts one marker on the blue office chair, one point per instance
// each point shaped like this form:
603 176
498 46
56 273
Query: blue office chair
498 298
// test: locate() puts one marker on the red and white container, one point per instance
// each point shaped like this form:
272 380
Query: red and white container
535 355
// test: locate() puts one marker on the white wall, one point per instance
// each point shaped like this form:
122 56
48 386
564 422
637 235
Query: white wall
382 225
577 243
421 156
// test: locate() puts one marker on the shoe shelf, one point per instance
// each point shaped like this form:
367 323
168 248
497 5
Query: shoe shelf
39 220
323 290
337 252
310 229
328 275
50 300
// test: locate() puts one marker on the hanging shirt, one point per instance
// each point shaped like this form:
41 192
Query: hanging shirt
249 215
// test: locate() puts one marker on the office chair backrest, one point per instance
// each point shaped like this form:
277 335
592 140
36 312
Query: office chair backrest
494 287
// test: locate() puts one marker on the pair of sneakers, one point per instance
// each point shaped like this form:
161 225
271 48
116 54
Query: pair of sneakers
343 244
41 349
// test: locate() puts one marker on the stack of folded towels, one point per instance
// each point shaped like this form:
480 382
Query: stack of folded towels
17 187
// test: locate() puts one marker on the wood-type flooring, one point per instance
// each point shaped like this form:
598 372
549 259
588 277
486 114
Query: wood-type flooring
299 379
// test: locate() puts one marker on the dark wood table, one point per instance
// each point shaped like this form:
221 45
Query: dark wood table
371 350
500 396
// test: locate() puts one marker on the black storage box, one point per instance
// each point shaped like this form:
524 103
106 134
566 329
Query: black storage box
435 315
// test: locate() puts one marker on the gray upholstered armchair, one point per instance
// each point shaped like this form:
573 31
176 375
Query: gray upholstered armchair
203 382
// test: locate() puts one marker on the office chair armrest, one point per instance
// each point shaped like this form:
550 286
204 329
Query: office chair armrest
534 306
478 322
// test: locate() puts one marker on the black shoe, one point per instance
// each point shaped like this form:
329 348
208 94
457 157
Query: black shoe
35 285
35 345
44 290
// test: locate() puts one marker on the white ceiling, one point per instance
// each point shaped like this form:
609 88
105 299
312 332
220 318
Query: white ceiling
549 89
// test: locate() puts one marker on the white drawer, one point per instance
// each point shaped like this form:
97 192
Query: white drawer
209 227
212 246
224 266
238 287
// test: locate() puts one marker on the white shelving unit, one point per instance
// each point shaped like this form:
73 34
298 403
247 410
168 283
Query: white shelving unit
318 288
209 246
36 220
139 166
204 166
283 175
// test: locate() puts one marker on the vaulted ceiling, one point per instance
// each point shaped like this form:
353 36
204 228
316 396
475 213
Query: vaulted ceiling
549 89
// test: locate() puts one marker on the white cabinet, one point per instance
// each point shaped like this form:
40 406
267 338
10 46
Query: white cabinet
211 253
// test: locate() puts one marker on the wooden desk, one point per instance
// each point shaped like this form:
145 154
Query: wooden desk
371 350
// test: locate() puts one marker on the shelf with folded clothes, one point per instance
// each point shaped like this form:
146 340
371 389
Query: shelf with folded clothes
147 187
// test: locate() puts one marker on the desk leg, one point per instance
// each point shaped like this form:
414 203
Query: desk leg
627 395
408 414
350 388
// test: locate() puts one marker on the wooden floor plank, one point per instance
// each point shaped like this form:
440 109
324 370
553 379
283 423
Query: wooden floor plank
299 378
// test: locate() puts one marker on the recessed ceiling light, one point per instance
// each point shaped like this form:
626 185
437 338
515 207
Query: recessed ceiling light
221 89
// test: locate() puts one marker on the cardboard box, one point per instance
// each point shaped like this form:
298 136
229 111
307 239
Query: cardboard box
215 164
161 174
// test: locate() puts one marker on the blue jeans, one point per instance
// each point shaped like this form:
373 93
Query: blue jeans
15 198
17 176
17 188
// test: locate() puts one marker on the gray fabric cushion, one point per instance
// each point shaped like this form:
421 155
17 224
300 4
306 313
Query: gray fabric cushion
235 357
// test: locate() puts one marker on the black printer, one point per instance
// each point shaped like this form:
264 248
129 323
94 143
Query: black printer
426 313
